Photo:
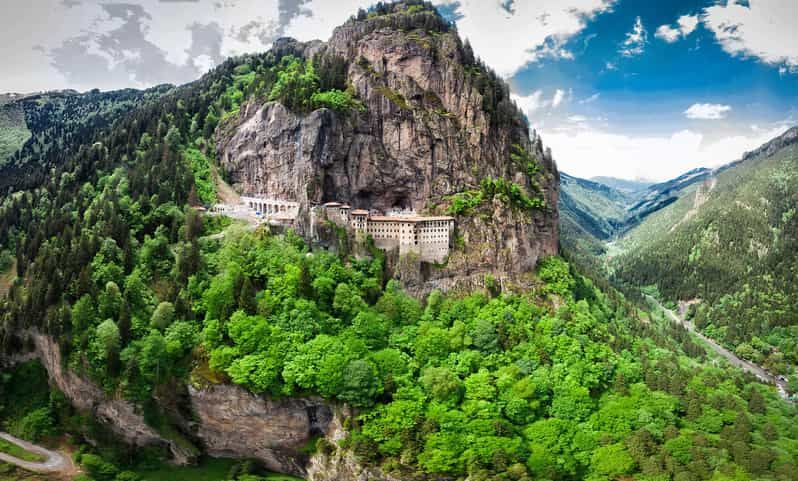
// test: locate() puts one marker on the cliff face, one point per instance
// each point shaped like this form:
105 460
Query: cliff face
120 416
423 137
225 420
232 422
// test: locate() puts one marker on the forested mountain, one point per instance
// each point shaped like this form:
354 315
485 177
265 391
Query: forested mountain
624 185
41 131
593 213
731 244
162 333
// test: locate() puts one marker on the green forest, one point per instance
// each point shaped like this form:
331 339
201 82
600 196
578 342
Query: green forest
737 255
568 380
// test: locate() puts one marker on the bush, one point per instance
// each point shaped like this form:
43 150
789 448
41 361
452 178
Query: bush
98 468
35 425
464 203
338 100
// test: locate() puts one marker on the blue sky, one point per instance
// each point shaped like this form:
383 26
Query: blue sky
629 88
627 104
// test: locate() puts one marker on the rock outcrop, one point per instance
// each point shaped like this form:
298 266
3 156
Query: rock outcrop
232 422
226 420
425 135
118 415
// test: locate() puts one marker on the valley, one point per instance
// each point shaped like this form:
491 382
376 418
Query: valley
357 260
717 238
754 369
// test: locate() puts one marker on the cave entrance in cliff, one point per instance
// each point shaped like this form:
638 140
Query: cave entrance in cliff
401 202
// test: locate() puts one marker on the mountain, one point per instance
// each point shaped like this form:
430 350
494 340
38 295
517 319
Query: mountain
165 340
624 185
40 131
729 243
593 213
590 214
434 131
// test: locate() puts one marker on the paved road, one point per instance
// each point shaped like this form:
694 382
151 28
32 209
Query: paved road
754 369
55 462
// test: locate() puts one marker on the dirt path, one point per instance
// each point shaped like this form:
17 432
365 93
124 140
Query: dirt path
56 463
754 369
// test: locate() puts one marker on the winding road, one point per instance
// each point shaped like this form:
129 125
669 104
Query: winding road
748 366
54 463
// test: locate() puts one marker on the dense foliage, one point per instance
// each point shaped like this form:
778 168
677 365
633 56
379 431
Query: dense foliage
42 131
563 382
736 253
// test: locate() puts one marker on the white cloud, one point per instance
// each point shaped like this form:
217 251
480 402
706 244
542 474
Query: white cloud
667 33
530 103
534 102
707 111
559 95
685 25
764 29
590 99
636 40
588 152
535 30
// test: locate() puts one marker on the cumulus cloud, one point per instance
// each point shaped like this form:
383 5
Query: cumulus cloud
685 25
136 43
707 111
636 40
764 29
535 102
588 152
559 95
132 43
510 35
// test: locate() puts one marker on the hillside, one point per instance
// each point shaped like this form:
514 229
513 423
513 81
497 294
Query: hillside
594 214
624 185
591 213
155 335
41 131
730 242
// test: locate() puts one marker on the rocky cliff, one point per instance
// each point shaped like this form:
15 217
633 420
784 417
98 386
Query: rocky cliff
436 123
232 422
225 420
119 415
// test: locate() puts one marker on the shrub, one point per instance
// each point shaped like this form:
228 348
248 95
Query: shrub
338 100
35 425
98 468
464 203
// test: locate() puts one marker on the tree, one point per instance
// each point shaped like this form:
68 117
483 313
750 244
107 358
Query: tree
107 340
347 301
163 316
610 462
442 384
361 383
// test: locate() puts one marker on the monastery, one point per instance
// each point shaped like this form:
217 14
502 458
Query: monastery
428 237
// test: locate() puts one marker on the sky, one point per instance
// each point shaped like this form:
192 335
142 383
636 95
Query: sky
636 89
